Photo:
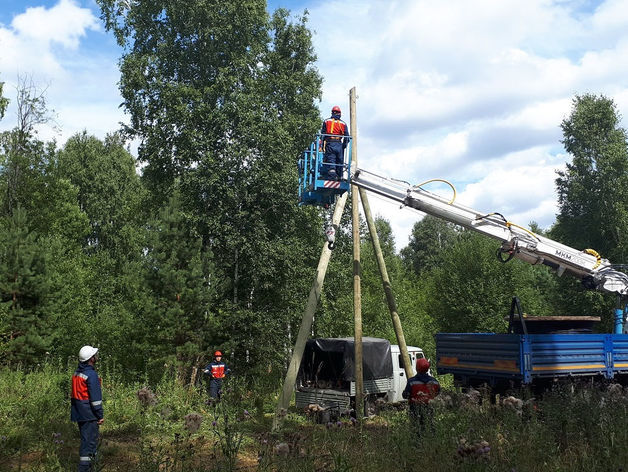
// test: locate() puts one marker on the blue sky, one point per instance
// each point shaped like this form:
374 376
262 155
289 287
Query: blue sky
472 92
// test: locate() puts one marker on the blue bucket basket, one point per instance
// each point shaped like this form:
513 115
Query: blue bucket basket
315 186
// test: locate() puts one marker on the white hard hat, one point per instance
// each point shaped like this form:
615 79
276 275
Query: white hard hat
87 352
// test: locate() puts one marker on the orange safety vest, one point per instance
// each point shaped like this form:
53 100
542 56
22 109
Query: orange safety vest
335 127
423 392
79 386
218 371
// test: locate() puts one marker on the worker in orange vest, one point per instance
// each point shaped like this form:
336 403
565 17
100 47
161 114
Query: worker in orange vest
87 409
216 370
420 391
335 133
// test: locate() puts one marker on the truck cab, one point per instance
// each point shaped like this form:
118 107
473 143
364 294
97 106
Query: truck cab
399 373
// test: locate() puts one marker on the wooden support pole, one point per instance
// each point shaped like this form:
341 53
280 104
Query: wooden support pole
357 292
390 298
306 322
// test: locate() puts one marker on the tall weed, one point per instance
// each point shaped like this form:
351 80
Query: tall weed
171 427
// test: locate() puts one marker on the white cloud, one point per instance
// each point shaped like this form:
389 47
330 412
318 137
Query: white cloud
543 115
520 186
64 23
610 19
520 193
51 47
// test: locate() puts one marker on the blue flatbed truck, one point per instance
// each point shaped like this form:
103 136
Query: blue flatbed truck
536 351
505 360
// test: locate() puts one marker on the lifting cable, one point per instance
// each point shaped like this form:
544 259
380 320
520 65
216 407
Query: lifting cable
510 224
438 180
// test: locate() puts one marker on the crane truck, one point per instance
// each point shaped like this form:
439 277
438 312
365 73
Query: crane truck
523 356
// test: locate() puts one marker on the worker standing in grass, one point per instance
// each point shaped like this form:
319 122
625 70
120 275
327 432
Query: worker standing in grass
87 409
216 370
335 142
420 390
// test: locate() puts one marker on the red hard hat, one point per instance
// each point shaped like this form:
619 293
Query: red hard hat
336 109
422 365
217 353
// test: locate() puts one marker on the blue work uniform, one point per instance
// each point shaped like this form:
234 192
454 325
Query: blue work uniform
420 390
216 371
335 143
87 409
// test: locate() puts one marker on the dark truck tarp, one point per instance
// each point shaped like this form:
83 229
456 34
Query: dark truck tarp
333 359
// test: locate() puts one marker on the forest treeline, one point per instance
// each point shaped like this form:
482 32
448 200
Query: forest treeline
198 242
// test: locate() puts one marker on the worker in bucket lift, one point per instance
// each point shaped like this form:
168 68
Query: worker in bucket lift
216 370
420 390
334 144
87 408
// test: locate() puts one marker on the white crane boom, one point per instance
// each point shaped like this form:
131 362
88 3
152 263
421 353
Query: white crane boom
516 241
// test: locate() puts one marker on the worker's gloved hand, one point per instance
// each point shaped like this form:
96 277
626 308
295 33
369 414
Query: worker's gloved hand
205 371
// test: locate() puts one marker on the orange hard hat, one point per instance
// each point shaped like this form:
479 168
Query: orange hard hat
217 353
336 109
422 365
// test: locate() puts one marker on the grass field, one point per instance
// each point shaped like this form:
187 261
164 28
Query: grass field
170 427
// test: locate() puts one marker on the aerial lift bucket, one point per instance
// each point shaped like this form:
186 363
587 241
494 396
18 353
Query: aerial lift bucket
315 185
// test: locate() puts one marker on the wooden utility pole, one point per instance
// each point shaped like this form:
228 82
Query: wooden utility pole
317 285
306 322
357 292
390 298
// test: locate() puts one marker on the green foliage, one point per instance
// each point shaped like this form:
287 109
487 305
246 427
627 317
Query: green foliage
429 239
41 230
375 312
222 97
4 102
108 267
592 196
471 291
207 247
229 433
592 191
24 287
334 317
180 278
34 411
23 158
109 192
23 164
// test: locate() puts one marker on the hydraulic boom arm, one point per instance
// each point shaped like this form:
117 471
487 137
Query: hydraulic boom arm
516 241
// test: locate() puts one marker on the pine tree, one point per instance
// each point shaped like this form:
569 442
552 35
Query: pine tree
23 289
182 284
